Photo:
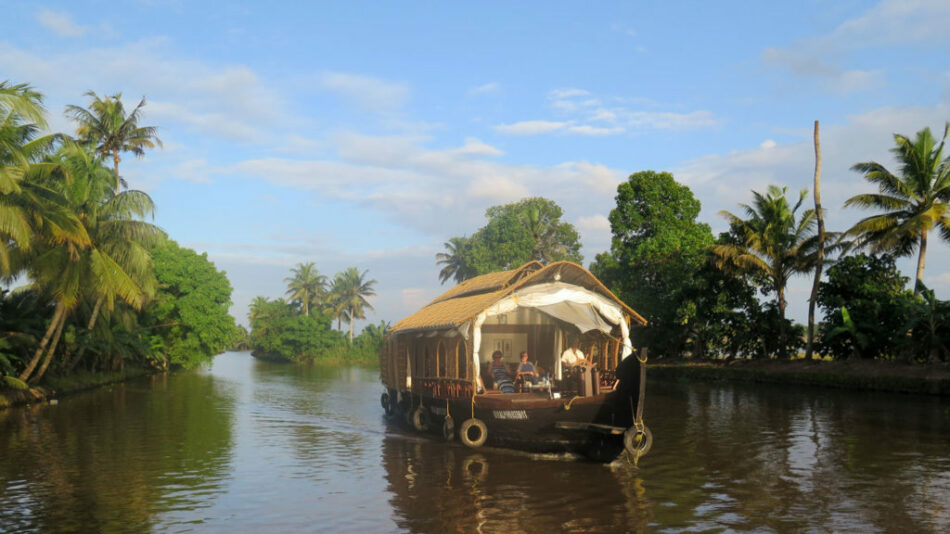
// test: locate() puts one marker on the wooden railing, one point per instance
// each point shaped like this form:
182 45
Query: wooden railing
442 388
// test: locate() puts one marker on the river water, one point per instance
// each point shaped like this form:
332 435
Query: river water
250 446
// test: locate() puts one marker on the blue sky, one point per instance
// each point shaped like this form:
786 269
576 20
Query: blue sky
370 133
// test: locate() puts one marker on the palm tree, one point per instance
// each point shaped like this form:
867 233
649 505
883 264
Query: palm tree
455 260
257 309
26 207
914 202
107 127
307 286
772 243
353 290
116 264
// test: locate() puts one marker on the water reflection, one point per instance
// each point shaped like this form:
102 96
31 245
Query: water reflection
448 488
114 457
260 447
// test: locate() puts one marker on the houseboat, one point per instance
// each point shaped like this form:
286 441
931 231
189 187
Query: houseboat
452 368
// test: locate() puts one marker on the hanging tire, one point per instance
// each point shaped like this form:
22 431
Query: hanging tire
387 403
638 443
473 433
420 419
448 429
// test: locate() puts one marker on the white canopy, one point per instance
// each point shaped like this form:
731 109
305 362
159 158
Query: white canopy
573 304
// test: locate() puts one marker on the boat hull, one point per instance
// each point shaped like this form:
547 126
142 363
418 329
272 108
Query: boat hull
592 426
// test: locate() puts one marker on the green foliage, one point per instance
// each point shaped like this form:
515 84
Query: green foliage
874 293
279 330
657 252
189 317
927 328
516 233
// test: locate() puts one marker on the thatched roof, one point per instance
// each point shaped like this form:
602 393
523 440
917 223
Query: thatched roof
466 300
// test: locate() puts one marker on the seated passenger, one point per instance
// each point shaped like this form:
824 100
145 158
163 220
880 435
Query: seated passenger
526 369
498 371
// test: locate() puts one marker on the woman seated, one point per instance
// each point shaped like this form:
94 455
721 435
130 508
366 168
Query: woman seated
500 374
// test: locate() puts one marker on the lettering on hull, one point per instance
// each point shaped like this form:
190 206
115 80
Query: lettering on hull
513 415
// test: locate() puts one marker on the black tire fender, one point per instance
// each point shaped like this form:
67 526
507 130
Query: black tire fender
387 403
636 442
420 419
480 430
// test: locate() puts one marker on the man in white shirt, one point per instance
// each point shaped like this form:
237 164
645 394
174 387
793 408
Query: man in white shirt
573 356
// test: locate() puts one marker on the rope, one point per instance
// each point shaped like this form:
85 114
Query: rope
567 406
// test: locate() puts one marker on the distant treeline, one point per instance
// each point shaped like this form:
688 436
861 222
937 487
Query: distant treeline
98 287
301 329
699 291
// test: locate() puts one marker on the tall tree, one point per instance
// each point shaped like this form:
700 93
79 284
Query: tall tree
353 290
914 202
772 244
657 251
115 264
819 260
307 286
107 126
454 260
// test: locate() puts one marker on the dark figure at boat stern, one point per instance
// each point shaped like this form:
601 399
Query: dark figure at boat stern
499 372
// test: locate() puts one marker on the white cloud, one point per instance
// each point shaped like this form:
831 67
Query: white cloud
767 144
491 87
537 127
594 130
890 23
475 147
60 23
561 94
230 102
372 94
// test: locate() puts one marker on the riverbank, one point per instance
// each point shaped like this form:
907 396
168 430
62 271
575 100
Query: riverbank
929 379
54 387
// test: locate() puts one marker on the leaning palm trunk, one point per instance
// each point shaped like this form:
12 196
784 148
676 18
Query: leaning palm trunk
918 284
92 323
782 334
809 349
52 350
57 317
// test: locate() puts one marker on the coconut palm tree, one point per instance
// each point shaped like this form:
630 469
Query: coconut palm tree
353 289
257 309
107 127
116 263
455 260
27 208
307 286
773 243
914 202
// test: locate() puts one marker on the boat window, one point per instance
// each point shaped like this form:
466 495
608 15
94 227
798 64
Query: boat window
428 361
440 359
461 359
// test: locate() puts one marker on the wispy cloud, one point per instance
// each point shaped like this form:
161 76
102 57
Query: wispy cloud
890 23
371 94
536 127
60 23
491 87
